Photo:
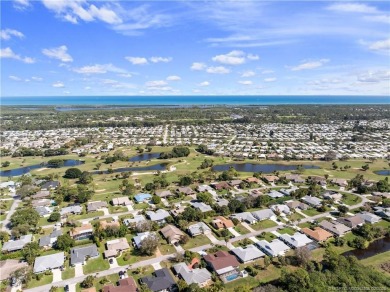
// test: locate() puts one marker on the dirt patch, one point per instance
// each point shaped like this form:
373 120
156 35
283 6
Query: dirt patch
99 191
158 252
45 168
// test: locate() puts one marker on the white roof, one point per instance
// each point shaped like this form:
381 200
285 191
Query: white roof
49 262
248 253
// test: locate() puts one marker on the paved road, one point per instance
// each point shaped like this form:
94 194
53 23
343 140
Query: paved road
6 221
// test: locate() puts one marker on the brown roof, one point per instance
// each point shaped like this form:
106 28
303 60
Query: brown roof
252 179
125 285
221 260
317 234
222 222
104 224
172 233
271 178
79 230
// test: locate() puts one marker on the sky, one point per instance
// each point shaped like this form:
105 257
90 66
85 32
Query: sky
81 48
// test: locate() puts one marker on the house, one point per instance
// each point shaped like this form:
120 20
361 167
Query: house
223 185
49 262
198 228
201 206
221 222
161 280
50 185
204 188
222 202
177 209
41 203
164 193
44 211
223 263
296 240
337 229
85 231
124 285
318 234
121 201
244 217
73 209
368 217
113 224
281 209
264 214
270 178
13 245
141 198
115 246
382 212
171 233
96 206
235 183
49 240
137 240
274 248
253 180
318 180
296 178
201 277
186 191
275 194
381 194
79 255
311 201
287 192
297 204
247 254
340 182
131 223
352 222
158 216
7 267
332 195
41 195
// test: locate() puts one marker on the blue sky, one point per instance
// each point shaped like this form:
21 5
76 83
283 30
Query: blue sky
78 47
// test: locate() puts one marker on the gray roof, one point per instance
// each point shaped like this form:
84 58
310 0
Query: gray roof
44 210
197 276
248 253
335 228
311 200
161 280
50 239
93 206
222 202
79 254
198 228
141 236
263 214
159 215
137 219
369 217
296 240
201 206
274 248
17 244
244 216
275 194
71 209
49 262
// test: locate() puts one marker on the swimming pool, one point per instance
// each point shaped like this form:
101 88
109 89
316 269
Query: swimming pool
231 277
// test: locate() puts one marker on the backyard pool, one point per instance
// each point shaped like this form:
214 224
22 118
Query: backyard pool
231 277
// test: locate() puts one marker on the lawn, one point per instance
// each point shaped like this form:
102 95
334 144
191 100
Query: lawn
141 206
98 283
268 236
135 257
86 215
287 230
117 209
68 273
196 241
241 229
46 279
311 212
377 259
263 224
350 199
96 265
295 216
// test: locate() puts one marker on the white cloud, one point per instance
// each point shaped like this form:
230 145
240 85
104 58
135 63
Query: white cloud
173 78
245 82
378 18
59 53
310 65
125 75
160 59
234 58
8 53
75 10
382 46
204 83
35 78
248 73
198 66
353 7
271 79
156 83
98 69
217 70
58 84
325 81
374 76
137 60
253 57
21 4
6 34
14 78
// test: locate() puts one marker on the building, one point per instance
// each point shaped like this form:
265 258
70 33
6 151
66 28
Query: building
41 195
96 206
336 228
7 267
164 193
270 178
73 209
132 223
49 262
281 209
201 277
137 240
158 216
248 253
369 217
296 178
223 263
161 280
297 204
332 195
274 248
264 214
198 229
50 185
296 240
275 194
44 211
221 222
172 234
85 231
318 234
186 191
352 222
244 217
311 201
340 182
201 206
14 245
49 240
116 246
141 198
113 224
124 285
79 255
121 201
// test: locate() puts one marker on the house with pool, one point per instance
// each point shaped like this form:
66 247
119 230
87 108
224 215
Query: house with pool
225 265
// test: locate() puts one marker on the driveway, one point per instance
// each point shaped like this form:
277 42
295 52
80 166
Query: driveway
105 211
114 263
78 270
156 266
233 231
247 226
130 208
57 275
212 238
179 248
254 239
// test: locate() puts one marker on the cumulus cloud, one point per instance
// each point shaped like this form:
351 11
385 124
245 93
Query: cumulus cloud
271 79
160 59
14 78
137 60
58 84
353 7
197 66
245 82
98 69
6 34
204 83
35 78
21 4
248 74
234 58
173 78
217 70
374 76
7 53
382 46
59 53
310 65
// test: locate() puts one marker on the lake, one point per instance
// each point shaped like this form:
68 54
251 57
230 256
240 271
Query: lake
375 247
265 168
144 156
155 167
27 169
383 172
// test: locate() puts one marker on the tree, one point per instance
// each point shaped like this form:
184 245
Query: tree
365 167
184 239
5 164
87 282
185 180
25 216
85 178
54 217
343 209
143 226
30 251
156 199
64 242
358 242
55 163
21 276
206 198
149 244
4 236
302 255
72 172
267 261
297 280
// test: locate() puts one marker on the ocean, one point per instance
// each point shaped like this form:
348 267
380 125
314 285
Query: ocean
191 100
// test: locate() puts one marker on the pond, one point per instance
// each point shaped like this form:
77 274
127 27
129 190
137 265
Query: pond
155 167
27 169
375 247
383 172
144 156
265 168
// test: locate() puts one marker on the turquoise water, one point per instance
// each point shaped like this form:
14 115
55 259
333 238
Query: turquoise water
192 100
231 277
